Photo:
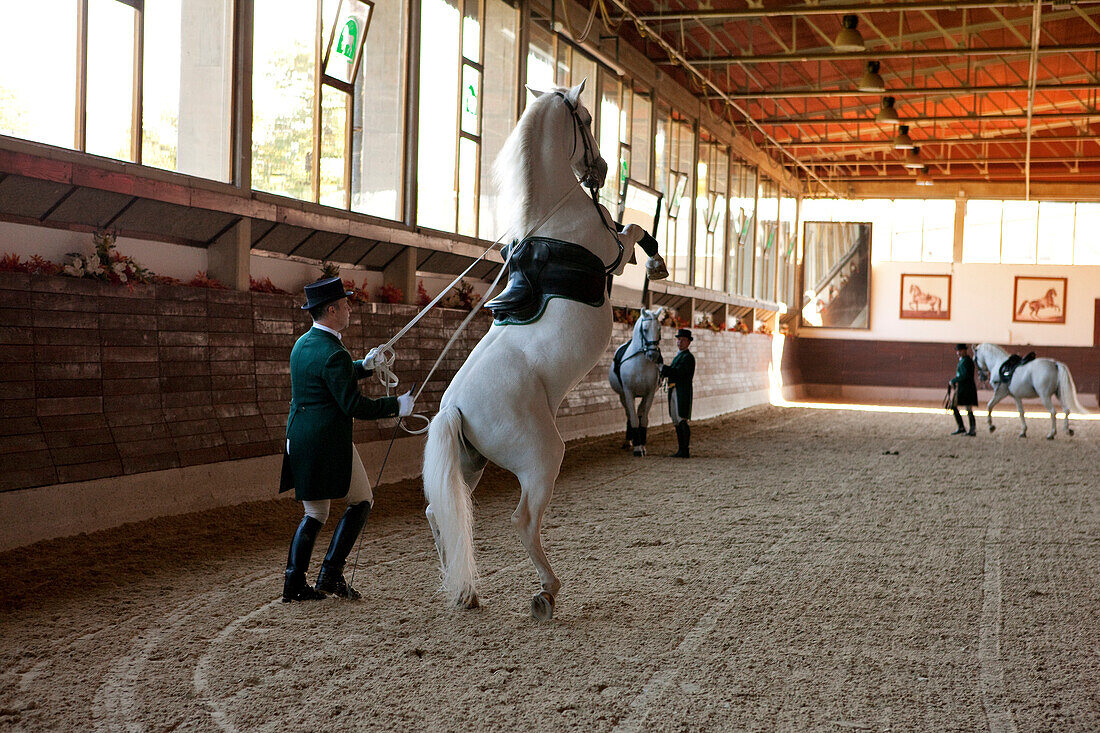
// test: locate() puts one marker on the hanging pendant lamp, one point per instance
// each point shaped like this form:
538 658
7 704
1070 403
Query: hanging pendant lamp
887 114
902 141
871 81
849 38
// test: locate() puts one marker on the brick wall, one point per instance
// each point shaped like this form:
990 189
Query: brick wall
98 381
912 364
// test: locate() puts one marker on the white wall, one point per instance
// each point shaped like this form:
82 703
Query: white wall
981 306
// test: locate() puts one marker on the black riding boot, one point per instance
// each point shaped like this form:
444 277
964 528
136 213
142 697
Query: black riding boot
295 587
683 437
331 578
973 425
959 421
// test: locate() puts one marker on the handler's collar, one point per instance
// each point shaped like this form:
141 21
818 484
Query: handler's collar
326 328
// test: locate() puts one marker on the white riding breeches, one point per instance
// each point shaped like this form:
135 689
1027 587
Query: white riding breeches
358 491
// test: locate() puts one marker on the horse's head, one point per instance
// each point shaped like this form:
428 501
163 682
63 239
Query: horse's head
648 331
584 154
1051 294
913 289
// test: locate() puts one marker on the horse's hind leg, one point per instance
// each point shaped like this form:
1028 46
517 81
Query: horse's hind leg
627 401
536 489
1048 403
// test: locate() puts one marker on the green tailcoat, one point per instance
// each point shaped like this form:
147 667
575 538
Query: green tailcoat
680 373
324 399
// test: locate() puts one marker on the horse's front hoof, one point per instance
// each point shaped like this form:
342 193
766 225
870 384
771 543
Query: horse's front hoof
992 428
1050 437
542 606
1069 432
639 451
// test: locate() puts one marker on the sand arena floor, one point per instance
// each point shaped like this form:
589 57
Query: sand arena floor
807 570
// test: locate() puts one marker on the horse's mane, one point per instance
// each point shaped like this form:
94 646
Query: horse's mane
513 165
994 349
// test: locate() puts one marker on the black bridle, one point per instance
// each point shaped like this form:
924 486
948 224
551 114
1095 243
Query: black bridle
591 158
651 349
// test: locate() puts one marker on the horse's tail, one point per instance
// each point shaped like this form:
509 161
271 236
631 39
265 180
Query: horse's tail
1067 391
449 497
1022 306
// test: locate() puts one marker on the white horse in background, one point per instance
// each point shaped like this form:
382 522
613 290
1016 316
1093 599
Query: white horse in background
502 404
636 372
1040 378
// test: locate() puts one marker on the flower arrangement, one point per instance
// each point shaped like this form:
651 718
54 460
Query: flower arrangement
463 297
422 297
330 269
358 294
265 286
707 322
390 294
202 280
36 265
106 264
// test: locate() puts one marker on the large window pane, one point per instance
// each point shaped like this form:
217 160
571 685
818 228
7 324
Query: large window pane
1019 225
641 141
187 87
1086 242
939 230
908 228
29 108
439 77
333 124
982 232
540 61
110 78
282 97
607 137
378 127
498 105
1055 233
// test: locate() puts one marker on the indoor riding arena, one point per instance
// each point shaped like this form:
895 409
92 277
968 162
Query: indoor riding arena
300 302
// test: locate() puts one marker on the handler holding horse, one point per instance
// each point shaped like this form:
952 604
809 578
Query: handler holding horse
551 325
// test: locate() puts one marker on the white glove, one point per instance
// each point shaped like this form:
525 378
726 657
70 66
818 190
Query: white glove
370 361
655 268
405 404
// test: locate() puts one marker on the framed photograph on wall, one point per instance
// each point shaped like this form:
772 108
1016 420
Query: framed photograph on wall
926 297
1039 300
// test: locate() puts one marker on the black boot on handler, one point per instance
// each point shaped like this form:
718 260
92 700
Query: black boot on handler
683 440
331 578
295 587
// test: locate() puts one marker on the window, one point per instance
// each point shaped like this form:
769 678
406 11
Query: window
982 232
1055 245
29 108
498 109
1086 243
607 137
767 218
640 138
282 97
1019 228
787 285
710 215
676 145
742 227
378 119
919 230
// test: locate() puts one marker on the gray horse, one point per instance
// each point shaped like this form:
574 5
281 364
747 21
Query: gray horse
1042 378
635 372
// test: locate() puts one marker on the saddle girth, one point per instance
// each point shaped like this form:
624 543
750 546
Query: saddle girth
541 269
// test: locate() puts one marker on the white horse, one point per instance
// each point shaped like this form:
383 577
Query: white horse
1040 378
632 377
502 404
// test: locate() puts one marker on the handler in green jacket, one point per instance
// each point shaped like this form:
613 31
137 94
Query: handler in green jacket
679 374
966 392
320 461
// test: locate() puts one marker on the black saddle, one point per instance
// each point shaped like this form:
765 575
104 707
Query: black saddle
542 268
1013 361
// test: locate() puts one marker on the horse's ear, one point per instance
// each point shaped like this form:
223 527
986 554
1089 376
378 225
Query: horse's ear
574 94
536 92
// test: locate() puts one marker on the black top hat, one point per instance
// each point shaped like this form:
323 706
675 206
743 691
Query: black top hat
961 347
683 333
324 292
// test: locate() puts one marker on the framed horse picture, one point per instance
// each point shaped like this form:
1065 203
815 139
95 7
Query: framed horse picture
926 297
1039 300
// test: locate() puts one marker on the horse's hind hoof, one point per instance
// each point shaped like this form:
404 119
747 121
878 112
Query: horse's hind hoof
542 606
639 452
992 428
1069 432
469 602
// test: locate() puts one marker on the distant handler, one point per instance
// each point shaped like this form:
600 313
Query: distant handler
679 374
966 392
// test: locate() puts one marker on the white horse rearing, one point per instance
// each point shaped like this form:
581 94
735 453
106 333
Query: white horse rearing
636 372
501 405
1040 378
